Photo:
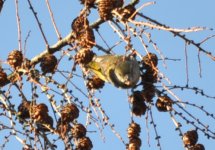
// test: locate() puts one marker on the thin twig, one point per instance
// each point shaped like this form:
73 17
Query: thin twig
25 44
182 36
199 63
186 63
53 21
38 23
18 25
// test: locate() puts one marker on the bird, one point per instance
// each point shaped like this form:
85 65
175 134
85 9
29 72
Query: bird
119 70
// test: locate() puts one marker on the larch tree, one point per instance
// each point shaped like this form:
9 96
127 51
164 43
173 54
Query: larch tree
50 99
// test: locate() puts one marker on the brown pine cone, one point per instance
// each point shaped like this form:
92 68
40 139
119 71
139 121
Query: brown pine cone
84 143
86 39
79 24
148 92
105 7
190 138
3 77
15 59
78 131
39 112
133 130
164 103
150 76
132 146
95 83
69 113
138 105
84 35
84 56
197 147
48 63
150 60
24 109
134 143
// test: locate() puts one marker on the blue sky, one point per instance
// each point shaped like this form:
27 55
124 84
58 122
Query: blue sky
174 13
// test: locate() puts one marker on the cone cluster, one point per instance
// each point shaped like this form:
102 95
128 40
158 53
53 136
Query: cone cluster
138 104
133 133
39 113
69 113
84 143
190 139
84 35
85 39
79 134
149 77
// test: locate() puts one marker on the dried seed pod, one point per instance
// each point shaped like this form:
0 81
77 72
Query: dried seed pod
133 130
150 60
1 5
69 113
48 63
88 3
190 138
164 103
127 12
3 77
24 109
15 59
78 131
138 105
94 83
84 56
197 147
84 143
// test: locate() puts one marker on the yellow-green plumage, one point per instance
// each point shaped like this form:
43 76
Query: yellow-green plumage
119 70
